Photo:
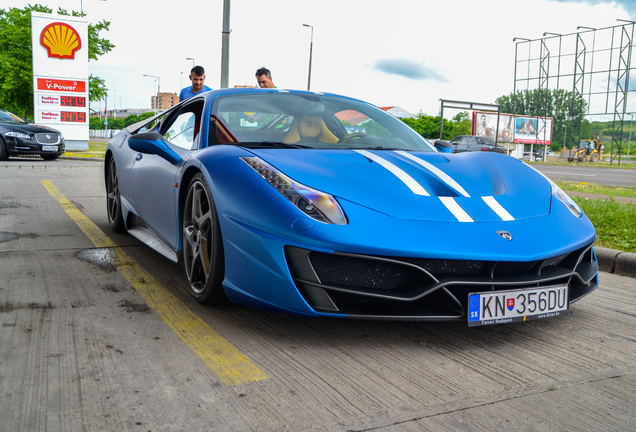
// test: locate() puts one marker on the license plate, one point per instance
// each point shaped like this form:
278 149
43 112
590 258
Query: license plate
49 148
503 307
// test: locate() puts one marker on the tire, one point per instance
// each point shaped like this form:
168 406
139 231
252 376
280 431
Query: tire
50 157
4 151
113 199
595 157
203 256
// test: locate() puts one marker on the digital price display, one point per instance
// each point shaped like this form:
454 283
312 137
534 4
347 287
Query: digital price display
73 116
73 101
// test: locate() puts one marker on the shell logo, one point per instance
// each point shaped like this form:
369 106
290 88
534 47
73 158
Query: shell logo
60 40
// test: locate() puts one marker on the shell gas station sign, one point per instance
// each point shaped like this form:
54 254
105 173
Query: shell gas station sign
60 75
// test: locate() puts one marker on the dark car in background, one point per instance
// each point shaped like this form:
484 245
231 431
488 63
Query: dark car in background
470 143
18 137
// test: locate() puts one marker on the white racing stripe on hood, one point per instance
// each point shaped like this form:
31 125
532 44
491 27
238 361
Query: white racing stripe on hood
409 181
438 172
455 209
497 208
449 202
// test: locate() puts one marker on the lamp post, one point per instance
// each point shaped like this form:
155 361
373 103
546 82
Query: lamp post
158 90
629 143
190 58
311 49
82 6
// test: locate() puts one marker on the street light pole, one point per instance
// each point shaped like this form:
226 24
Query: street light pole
190 58
629 143
225 46
158 90
311 49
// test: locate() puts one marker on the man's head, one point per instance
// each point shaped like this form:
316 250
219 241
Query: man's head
264 78
197 76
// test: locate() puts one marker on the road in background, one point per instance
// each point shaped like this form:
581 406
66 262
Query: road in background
591 174
82 347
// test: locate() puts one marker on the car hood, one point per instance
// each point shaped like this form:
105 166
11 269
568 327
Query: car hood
466 187
26 128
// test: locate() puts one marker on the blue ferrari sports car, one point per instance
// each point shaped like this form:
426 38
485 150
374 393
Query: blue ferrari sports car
322 205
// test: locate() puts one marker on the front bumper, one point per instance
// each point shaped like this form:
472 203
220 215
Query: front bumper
35 146
365 286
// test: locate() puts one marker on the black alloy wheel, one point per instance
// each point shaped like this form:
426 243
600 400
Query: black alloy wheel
113 199
202 244
4 151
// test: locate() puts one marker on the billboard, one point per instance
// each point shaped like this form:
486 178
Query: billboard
60 75
513 128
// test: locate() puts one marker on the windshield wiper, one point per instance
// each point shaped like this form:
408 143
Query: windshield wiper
383 148
273 144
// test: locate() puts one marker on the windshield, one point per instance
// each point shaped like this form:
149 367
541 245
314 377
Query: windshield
308 121
6 116
485 140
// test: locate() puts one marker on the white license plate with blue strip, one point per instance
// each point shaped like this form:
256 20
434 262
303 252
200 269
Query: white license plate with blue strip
502 307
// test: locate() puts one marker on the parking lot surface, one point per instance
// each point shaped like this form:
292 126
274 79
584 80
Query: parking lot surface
97 333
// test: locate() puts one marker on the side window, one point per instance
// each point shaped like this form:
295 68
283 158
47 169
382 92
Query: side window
182 131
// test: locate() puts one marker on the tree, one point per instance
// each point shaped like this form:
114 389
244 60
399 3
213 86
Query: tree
567 112
428 126
16 63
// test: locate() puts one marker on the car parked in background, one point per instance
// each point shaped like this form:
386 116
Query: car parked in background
18 137
470 143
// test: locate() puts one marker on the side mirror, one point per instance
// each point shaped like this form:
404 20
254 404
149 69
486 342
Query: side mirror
153 143
444 146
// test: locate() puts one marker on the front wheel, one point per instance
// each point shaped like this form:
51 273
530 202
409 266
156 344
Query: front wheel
4 150
113 199
203 256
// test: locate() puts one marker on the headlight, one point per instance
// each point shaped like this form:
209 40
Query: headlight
315 204
17 134
558 193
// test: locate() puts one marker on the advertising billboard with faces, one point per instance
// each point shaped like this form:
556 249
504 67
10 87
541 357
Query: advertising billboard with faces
513 128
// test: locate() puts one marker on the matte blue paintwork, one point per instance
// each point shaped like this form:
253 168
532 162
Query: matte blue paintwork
384 216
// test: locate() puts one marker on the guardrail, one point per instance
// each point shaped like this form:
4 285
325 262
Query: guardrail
103 133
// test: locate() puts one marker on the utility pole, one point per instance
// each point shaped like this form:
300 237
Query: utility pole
225 45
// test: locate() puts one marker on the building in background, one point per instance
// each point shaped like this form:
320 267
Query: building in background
163 101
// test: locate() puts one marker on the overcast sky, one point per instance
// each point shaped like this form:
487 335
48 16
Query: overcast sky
409 53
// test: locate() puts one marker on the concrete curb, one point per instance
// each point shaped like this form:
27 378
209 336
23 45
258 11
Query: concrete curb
616 261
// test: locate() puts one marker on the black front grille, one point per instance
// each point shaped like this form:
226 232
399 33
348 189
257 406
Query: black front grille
47 138
361 272
421 288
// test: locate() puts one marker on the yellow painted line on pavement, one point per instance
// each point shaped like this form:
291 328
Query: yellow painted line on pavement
223 358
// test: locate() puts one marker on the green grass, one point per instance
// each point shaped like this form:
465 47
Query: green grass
594 188
95 150
615 222
97 146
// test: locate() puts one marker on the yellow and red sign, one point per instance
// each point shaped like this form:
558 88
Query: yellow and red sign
61 40
60 75
52 84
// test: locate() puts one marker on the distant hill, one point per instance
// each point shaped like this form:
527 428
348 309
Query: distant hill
604 131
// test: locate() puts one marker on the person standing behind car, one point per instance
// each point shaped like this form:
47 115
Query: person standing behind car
264 78
197 76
